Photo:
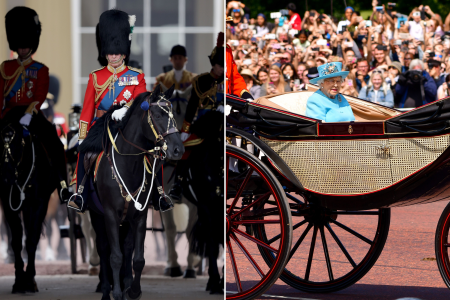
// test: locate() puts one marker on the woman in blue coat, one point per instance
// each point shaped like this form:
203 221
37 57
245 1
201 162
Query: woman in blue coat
327 104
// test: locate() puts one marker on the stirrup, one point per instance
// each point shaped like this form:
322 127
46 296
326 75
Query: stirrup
170 203
76 207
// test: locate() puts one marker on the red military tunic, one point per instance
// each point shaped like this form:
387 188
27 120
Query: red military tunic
129 83
234 83
23 84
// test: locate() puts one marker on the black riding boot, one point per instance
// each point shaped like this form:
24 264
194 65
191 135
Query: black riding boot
78 200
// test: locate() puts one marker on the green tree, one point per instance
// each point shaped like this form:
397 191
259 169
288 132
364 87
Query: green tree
337 6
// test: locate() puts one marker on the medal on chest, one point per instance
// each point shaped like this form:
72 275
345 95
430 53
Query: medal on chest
128 80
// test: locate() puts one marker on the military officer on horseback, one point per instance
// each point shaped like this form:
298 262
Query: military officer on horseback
24 83
113 84
208 94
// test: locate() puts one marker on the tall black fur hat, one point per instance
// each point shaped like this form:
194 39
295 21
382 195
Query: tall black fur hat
218 52
115 30
101 59
23 28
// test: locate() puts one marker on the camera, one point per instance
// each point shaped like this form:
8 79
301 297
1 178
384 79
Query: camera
411 78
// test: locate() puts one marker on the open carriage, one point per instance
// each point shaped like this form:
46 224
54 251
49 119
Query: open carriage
296 185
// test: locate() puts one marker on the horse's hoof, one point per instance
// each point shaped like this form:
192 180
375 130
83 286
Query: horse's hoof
32 287
189 274
93 271
126 295
216 291
99 288
106 297
18 289
173 272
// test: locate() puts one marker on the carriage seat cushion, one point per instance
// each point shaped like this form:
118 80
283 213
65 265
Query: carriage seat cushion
295 102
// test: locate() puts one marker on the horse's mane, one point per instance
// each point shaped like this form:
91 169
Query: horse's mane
136 104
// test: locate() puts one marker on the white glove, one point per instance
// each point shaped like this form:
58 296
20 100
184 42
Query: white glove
185 136
79 142
119 114
25 120
220 108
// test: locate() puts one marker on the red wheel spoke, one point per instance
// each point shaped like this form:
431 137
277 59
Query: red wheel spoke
327 255
233 264
257 222
338 241
249 237
275 238
239 191
300 240
263 197
311 254
352 232
249 257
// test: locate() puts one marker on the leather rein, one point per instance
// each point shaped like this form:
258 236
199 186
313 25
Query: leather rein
159 137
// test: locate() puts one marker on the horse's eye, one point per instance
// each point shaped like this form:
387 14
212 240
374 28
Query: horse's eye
157 116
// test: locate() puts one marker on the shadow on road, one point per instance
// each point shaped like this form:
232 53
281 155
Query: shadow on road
356 292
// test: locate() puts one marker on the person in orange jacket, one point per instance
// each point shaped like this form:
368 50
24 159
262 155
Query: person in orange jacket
234 83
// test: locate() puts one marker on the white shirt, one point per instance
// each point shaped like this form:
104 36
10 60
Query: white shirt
415 30
178 75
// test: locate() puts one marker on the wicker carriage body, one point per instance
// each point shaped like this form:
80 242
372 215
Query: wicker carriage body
385 158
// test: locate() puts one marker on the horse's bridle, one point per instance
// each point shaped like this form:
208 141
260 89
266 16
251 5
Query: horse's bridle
160 137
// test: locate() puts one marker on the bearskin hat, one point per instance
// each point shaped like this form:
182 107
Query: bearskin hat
101 59
115 29
218 53
23 28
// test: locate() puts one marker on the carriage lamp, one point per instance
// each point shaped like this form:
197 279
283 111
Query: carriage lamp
74 117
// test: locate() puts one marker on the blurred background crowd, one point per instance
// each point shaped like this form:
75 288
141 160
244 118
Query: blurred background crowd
397 57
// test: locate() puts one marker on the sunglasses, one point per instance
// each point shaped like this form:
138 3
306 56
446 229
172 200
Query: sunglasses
377 71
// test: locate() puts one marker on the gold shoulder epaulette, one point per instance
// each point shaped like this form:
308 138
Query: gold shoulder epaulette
135 69
97 70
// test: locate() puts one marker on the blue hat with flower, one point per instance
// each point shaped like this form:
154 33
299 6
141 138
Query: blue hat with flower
328 70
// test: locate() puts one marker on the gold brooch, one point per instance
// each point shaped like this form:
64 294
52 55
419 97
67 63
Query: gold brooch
350 129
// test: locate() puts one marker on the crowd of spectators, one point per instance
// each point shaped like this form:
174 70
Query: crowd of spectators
393 59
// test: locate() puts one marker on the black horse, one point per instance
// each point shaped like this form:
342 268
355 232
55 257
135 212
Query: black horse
203 184
27 179
147 126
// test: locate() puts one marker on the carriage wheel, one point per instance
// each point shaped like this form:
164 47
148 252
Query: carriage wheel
331 249
442 245
254 196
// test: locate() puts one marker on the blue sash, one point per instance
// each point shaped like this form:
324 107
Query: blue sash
108 100
37 66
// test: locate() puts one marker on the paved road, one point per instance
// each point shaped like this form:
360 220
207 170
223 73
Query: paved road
400 271
76 287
